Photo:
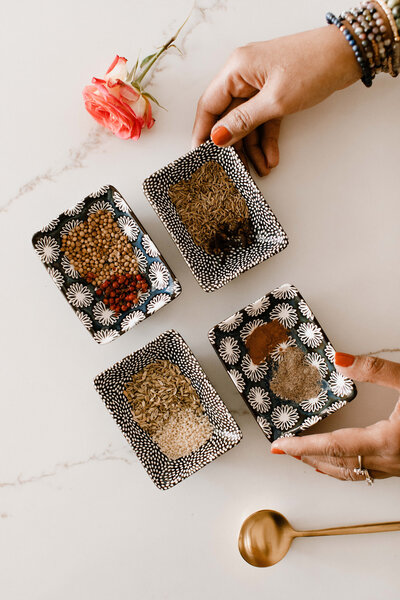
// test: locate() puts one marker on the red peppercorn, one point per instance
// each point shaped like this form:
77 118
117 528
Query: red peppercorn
99 292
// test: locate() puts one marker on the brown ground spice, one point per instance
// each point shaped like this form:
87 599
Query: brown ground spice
295 379
212 209
264 339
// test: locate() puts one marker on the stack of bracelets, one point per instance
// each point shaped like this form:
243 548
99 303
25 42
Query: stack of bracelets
372 31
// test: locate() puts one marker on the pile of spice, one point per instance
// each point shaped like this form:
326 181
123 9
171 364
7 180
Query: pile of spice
213 210
295 379
98 249
122 291
264 339
166 406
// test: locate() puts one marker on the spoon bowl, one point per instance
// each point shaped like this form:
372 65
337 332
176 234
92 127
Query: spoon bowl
264 538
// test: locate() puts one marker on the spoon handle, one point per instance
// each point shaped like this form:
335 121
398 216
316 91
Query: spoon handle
371 528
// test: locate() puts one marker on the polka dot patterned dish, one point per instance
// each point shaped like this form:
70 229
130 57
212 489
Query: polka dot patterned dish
276 416
164 472
101 322
212 272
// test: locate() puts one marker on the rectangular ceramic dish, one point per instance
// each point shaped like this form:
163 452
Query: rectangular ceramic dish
210 271
164 472
101 322
278 417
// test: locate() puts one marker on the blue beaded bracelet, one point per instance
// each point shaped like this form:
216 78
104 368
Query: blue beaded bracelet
365 68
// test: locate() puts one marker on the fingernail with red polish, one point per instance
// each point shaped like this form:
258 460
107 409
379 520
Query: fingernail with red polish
318 471
298 457
277 451
343 360
221 135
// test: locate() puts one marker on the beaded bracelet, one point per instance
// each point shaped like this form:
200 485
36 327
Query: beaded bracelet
365 68
396 39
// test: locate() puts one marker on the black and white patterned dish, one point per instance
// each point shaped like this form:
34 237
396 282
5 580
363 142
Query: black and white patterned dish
212 272
102 323
275 416
164 472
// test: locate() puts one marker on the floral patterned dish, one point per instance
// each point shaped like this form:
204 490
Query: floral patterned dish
275 416
101 322
212 272
164 472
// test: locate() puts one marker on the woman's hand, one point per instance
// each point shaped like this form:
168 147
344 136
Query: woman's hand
336 453
263 82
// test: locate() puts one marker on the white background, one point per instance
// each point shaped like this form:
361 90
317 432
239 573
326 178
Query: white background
79 518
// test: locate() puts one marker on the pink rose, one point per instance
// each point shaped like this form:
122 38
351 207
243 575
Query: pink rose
116 105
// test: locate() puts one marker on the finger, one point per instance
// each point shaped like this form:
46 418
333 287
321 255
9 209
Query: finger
215 100
245 118
269 141
343 442
369 368
346 474
255 153
372 463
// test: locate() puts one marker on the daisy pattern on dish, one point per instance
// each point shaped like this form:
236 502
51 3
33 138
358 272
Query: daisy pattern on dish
334 407
79 295
237 379
102 190
69 269
158 275
315 360
50 226
249 328
211 336
84 319
284 416
285 291
265 426
231 322
310 334
69 226
229 350
142 297
128 228
285 314
258 307
281 348
56 277
176 288
157 302
74 210
340 385
132 319
120 202
310 421
48 249
314 404
149 246
330 353
305 310
258 398
141 259
103 314
101 205
104 336
252 371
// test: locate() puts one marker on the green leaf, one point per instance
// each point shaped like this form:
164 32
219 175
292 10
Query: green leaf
150 97
147 59
136 86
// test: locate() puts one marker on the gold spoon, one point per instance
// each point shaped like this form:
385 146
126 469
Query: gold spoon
266 536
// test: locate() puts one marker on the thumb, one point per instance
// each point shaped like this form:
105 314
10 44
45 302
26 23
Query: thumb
243 119
369 368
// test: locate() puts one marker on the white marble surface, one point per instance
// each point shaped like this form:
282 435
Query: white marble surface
79 518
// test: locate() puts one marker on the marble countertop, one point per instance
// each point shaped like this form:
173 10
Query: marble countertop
79 518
